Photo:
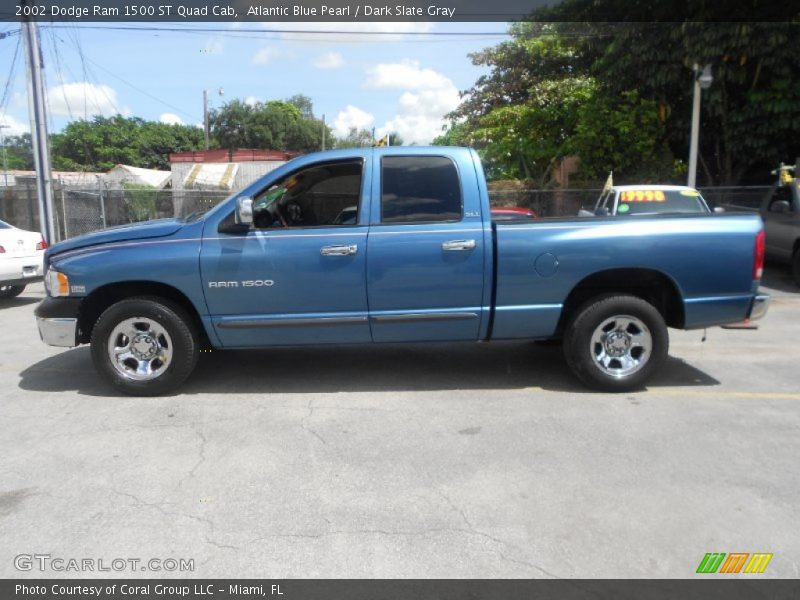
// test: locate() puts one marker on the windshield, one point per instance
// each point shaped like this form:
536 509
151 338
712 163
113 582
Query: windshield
647 201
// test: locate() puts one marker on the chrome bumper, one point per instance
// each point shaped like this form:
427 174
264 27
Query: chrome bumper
58 332
759 307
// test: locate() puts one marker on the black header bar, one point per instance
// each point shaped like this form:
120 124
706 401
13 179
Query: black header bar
712 588
354 11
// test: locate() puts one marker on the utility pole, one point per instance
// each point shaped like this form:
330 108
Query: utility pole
702 81
205 116
5 158
39 140
323 133
221 92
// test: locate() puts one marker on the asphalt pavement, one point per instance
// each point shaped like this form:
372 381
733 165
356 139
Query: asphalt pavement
451 461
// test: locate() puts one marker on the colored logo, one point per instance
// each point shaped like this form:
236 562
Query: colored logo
735 562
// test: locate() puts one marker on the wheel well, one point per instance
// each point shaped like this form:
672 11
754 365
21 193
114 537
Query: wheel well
647 284
103 297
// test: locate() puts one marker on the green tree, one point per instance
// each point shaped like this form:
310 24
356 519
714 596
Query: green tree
303 104
356 138
102 143
276 124
623 134
18 152
522 114
140 201
749 115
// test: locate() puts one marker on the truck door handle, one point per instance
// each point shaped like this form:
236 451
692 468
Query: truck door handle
346 250
459 245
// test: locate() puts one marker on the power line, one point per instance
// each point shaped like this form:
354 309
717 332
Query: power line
10 80
420 36
54 52
141 91
89 77
224 31
59 71
87 72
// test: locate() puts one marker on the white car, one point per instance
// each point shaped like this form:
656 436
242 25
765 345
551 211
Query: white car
647 199
21 259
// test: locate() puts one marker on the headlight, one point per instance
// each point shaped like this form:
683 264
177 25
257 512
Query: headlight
56 284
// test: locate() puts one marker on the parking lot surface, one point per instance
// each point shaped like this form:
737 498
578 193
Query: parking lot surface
481 461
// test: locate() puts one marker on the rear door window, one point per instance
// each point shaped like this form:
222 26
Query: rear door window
420 189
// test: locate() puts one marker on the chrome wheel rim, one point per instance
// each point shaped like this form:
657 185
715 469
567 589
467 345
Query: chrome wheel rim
140 349
621 345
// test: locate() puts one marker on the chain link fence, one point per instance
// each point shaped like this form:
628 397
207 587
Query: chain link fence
565 203
80 210
732 198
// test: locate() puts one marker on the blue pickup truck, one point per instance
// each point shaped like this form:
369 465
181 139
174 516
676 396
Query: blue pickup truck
377 245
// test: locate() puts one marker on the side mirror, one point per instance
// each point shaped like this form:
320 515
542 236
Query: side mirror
780 206
719 209
244 210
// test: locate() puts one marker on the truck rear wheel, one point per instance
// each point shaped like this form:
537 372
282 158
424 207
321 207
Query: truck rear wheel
615 343
145 346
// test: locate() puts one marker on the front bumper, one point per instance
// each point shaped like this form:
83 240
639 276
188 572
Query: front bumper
759 307
58 332
57 319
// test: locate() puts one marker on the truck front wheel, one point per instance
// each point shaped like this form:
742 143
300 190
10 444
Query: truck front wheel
615 343
144 346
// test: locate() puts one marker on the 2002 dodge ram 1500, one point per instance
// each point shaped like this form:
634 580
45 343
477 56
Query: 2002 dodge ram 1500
394 245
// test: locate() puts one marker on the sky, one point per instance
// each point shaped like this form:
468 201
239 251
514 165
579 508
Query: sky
398 81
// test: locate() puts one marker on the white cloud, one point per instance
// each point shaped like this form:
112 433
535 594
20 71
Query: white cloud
13 126
350 117
266 55
329 60
84 99
405 75
170 119
252 100
427 97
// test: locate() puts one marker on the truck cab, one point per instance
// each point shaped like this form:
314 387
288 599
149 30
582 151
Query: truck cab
410 249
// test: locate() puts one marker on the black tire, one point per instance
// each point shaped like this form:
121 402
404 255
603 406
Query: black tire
166 325
11 291
796 266
604 317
